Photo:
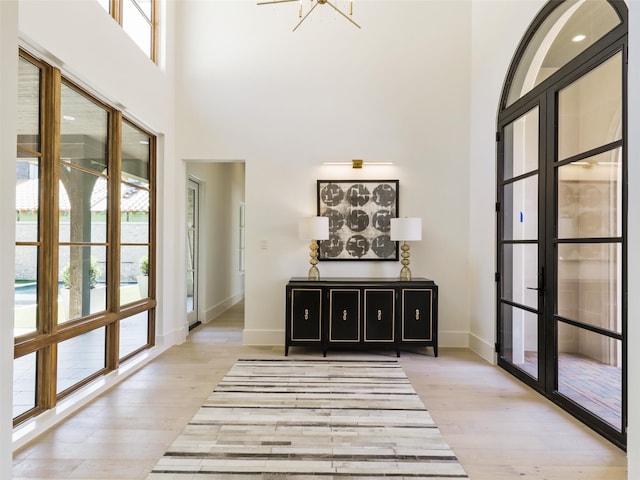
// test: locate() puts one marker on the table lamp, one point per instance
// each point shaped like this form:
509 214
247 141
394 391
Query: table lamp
406 229
314 229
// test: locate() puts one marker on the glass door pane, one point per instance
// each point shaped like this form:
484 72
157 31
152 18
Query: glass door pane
520 274
590 110
588 307
519 279
520 339
590 197
569 30
590 284
192 252
590 372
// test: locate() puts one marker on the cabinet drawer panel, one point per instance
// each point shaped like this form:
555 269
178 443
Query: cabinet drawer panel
379 315
417 310
344 312
306 312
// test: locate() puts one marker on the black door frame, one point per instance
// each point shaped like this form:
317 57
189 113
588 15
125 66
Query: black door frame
545 97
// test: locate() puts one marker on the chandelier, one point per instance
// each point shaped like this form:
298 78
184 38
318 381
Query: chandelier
314 4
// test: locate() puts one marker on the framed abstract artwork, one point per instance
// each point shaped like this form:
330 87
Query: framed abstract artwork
360 213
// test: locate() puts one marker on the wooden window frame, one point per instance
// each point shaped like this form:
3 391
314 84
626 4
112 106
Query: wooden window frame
48 334
116 8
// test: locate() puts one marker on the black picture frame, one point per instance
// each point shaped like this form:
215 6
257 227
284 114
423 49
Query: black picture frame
360 213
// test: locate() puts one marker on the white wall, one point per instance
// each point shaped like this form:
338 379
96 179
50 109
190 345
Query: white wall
8 133
285 102
497 28
221 193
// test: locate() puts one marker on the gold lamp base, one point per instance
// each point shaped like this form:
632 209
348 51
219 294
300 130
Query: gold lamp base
314 273
405 271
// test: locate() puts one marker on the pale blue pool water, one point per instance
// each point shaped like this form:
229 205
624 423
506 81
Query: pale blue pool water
26 294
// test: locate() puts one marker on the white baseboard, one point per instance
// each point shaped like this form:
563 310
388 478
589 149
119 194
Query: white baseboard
453 339
263 337
277 337
483 348
222 307
174 337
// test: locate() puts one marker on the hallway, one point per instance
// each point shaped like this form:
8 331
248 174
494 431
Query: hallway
498 428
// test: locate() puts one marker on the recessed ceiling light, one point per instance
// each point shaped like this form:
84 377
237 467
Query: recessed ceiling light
578 38
68 117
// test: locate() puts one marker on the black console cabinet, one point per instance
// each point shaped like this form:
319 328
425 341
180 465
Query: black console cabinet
362 312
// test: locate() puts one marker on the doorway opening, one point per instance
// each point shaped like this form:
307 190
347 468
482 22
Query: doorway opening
215 207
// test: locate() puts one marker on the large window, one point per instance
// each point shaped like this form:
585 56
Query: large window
137 18
84 296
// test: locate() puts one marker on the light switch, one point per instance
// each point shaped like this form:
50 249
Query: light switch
263 245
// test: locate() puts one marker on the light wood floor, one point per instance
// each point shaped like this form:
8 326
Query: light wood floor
499 428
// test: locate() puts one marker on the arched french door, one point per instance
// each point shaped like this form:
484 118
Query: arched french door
561 206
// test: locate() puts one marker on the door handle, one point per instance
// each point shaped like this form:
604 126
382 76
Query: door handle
540 287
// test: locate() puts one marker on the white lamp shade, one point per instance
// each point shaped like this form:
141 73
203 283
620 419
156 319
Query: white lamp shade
407 228
313 228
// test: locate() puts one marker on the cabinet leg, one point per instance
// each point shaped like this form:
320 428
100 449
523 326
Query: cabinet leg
286 350
435 350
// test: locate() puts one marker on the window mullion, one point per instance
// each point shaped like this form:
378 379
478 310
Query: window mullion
49 201
113 225
152 217
116 10
154 32
48 265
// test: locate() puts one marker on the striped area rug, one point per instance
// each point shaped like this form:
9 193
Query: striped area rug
308 419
